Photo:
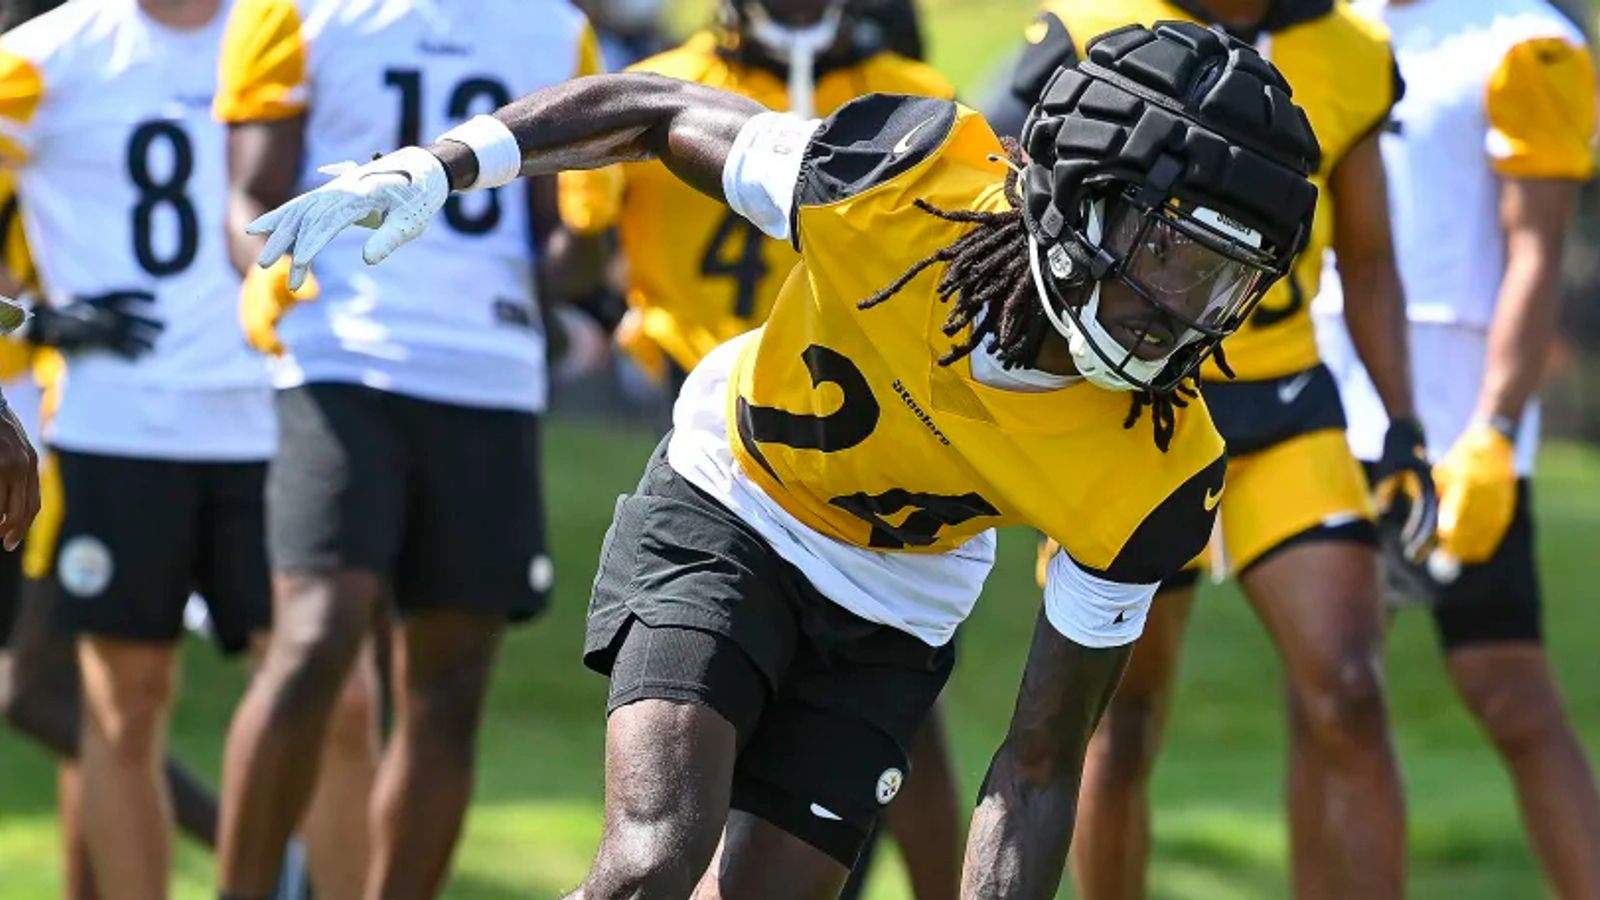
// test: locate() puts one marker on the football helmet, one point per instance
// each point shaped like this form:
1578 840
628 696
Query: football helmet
1173 162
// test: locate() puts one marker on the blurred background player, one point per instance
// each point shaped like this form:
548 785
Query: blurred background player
1296 524
39 690
698 273
408 408
1486 155
164 420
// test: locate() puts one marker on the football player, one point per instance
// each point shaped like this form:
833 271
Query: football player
1297 527
701 274
1486 155
408 463
39 691
164 420
970 339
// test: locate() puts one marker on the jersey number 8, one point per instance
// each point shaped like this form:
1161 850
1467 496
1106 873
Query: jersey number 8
465 96
156 192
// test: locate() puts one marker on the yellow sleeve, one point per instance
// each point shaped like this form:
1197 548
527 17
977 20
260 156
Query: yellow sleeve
591 201
21 89
1541 109
590 61
263 74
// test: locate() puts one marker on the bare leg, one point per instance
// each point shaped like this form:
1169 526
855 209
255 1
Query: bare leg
78 880
442 664
275 745
1512 692
1113 847
39 694
1320 603
128 689
669 772
335 828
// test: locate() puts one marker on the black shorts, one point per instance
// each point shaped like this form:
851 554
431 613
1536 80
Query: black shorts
1495 601
690 604
444 501
140 535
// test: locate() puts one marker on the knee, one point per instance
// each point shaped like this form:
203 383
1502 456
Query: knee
1343 700
445 709
1519 718
1125 746
352 729
638 861
315 639
128 725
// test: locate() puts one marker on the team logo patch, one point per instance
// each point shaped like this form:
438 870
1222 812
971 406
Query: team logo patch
85 566
889 785
541 573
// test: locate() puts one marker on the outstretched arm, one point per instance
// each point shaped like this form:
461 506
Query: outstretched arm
580 124
1017 846
591 122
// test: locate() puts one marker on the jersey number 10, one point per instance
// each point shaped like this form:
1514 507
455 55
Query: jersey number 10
465 96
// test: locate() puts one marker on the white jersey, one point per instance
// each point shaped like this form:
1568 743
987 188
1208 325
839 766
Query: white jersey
1494 88
122 179
453 317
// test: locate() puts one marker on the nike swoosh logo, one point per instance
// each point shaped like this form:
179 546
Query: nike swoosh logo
1289 390
905 143
822 812
1212 498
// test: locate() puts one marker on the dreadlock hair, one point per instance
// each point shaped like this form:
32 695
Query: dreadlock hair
989 280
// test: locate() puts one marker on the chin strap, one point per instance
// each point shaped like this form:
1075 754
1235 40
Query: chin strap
798 48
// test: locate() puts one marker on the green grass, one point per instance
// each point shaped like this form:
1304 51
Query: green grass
1219 827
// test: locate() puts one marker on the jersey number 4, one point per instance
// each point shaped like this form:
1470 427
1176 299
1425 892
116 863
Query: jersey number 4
735 252
467 94
156 192
853 422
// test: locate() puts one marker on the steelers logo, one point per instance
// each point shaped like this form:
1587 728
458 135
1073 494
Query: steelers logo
889 785
541 573
85 566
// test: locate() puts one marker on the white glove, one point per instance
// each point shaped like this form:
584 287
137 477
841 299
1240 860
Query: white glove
396 194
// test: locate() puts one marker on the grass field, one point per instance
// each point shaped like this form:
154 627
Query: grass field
1219 826
1219 829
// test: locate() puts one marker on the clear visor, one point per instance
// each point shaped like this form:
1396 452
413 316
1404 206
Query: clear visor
1196 267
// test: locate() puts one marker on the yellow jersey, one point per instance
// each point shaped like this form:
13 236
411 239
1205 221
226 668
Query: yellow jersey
1343 74
698 273
15 353
845 418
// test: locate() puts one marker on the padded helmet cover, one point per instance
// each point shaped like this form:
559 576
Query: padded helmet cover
1181 112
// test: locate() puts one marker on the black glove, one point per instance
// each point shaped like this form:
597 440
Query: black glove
109 321
1408 502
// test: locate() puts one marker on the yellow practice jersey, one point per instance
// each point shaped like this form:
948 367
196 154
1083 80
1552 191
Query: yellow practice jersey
15 353
1343 74
698 274
847 420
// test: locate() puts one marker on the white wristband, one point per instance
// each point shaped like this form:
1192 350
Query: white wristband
499 157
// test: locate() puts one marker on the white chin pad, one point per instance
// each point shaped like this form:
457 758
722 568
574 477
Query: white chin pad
1084 342
799 48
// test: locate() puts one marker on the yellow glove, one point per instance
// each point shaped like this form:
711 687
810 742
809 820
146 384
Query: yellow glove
263 300
1477 483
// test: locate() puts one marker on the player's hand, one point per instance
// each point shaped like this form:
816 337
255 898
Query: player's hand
1408 504
117 321
19 481
264 298
396 194
1477 483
